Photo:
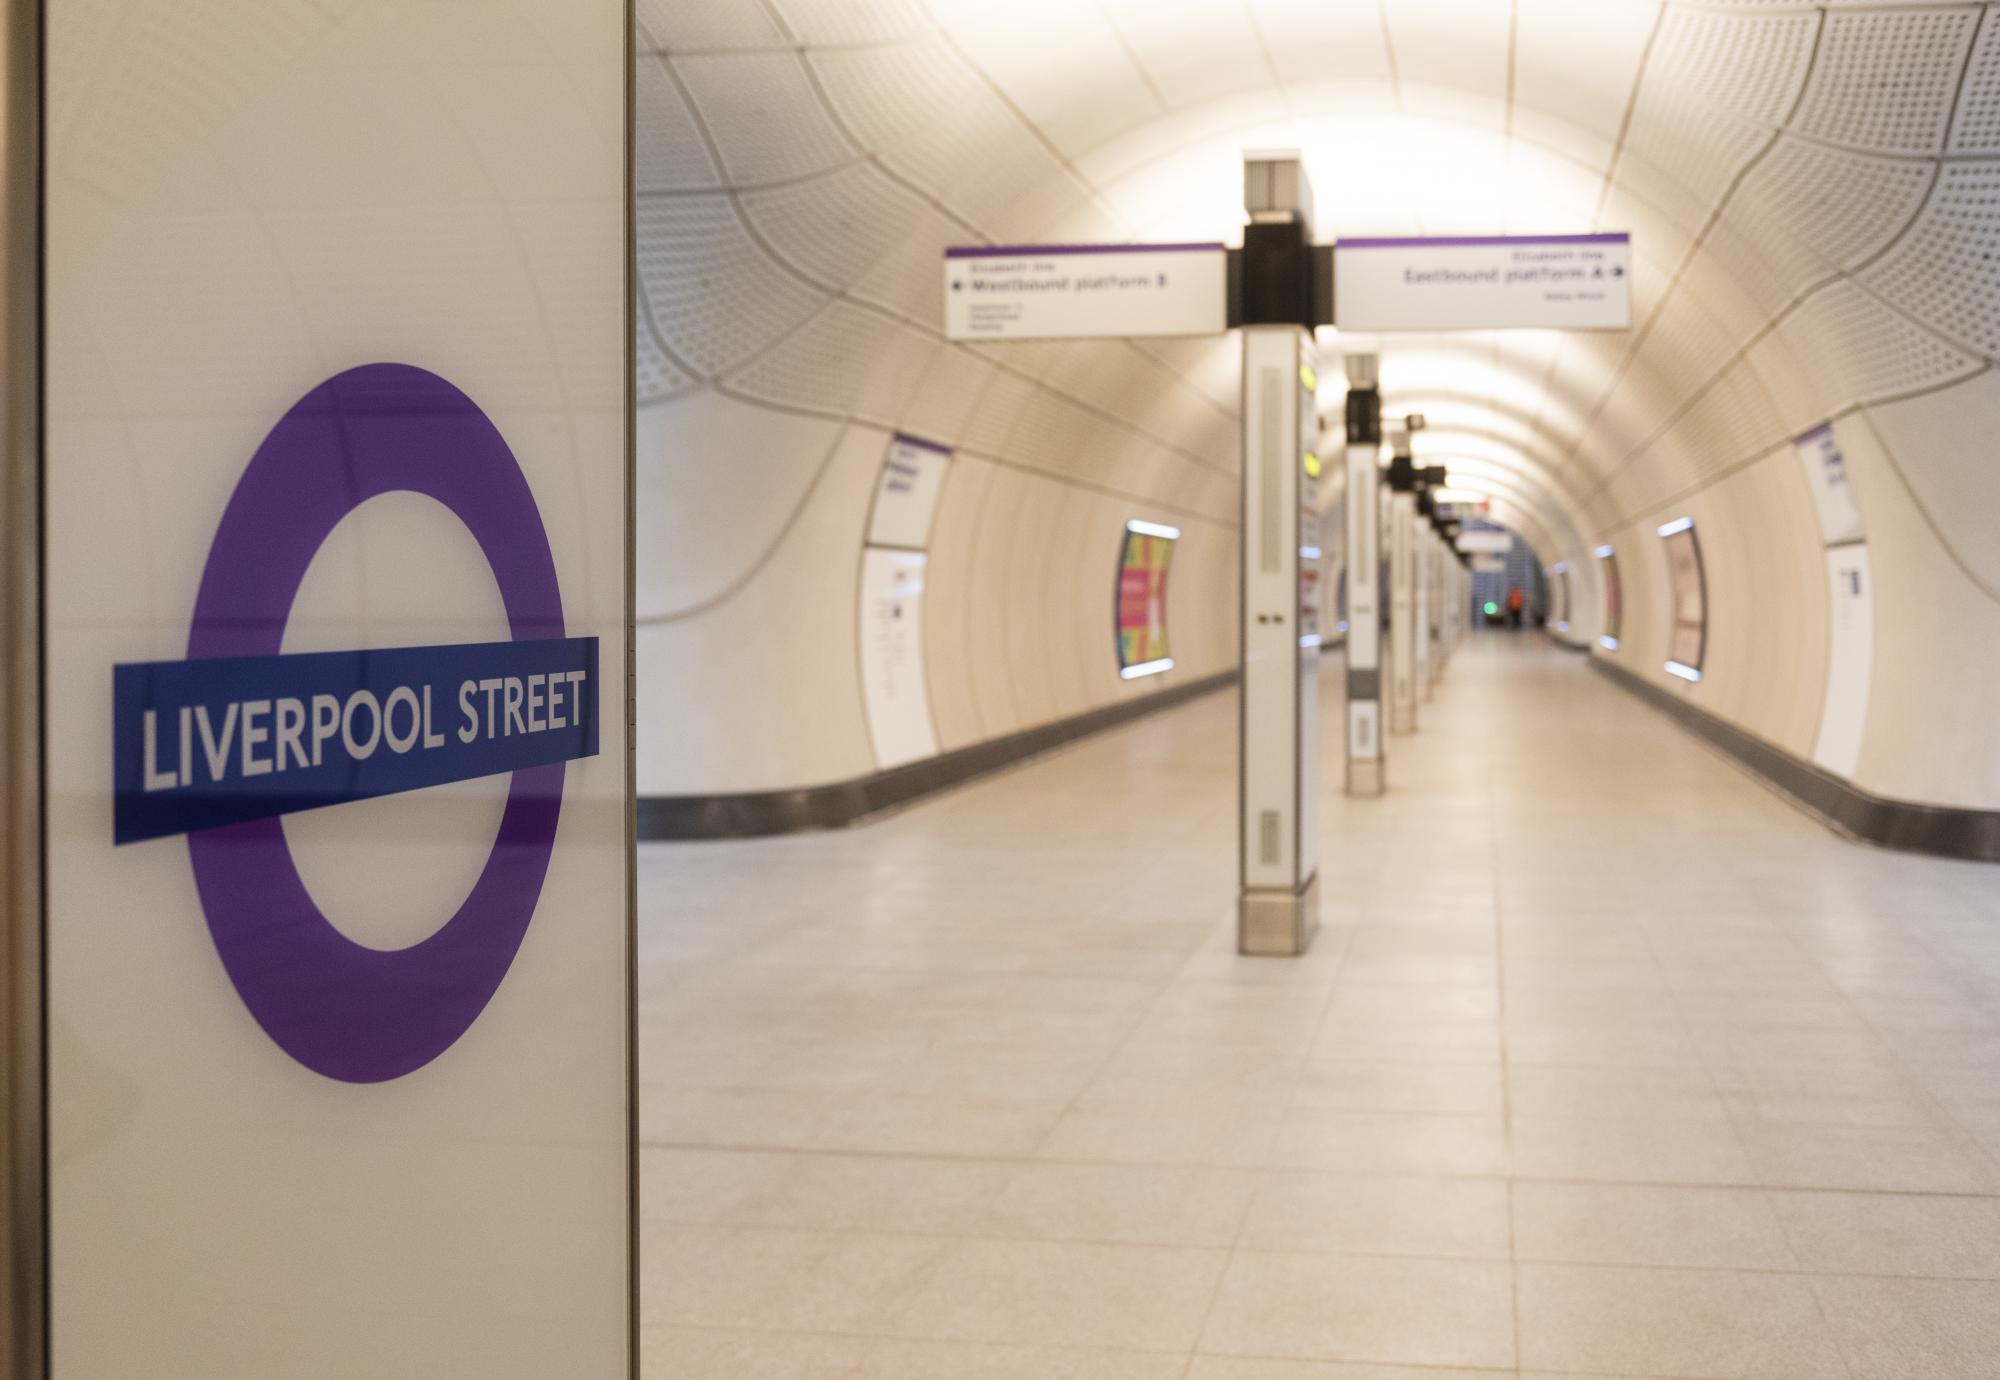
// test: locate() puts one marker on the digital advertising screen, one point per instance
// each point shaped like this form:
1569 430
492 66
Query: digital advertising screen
1147 555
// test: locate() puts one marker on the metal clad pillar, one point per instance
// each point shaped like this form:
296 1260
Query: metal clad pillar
23 1199
1402 590
1278 726
1426 560
1364 593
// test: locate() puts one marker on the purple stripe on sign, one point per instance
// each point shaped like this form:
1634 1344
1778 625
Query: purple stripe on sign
919 442
1461 241
1015 251
1823 429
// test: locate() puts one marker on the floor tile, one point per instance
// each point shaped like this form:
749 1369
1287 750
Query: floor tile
1892 1233
1065 1294
1120 1204
1915 1329
1372 1214
1415 1312
1703 1325
1601 1224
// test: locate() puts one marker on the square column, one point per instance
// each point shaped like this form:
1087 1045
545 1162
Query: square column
1279 701
1403 611
1426 630
1364 591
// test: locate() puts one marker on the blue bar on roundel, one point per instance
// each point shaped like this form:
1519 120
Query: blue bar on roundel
199 744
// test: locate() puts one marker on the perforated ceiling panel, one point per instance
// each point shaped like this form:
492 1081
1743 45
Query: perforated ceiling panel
760 109
715 296
1977 126
1946 270
1801 179
669 153
1885 80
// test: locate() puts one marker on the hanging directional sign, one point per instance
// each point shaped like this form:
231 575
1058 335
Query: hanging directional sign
1563 282
1070 291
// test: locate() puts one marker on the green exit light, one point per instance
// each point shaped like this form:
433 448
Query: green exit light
1491 608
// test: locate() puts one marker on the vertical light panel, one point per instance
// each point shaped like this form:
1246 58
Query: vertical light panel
338 936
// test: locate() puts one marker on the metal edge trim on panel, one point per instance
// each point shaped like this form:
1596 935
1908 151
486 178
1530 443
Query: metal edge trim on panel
629 268
761 813
1944 831
24 1297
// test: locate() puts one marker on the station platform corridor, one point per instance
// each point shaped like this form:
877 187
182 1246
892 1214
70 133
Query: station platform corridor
1607 1062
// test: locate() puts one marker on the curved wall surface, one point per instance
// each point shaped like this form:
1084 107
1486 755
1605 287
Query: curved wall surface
1813 192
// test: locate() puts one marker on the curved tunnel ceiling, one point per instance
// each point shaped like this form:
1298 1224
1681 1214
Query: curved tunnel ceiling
1811 189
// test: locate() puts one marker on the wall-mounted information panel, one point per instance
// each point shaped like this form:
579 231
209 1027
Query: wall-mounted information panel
906 494
1075 291
1487 282
338 808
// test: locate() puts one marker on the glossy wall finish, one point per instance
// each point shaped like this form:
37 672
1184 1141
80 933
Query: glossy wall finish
1809 192
408 220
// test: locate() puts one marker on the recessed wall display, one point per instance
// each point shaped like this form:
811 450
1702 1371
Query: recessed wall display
336 515
1826 475
1687 587
1559 597
906 493
892 656
890 620
1143 562
1614 598
1850 602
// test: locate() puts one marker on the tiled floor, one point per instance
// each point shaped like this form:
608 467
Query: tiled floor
1607 1063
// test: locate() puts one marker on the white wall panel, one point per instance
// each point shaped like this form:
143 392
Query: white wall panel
1943 446
675 24
1937 651
668 152
762 690
737 472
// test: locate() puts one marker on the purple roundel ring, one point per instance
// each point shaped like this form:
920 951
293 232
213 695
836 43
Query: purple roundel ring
342 1009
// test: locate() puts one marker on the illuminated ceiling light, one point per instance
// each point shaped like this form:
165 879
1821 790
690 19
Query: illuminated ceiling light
1153 529
1602 553
1146 668
1667 529
1675 668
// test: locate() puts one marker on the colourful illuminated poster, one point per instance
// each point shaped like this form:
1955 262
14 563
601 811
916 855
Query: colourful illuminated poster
1142 599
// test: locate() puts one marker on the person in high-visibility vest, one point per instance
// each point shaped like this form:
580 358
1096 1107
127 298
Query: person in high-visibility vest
1515 602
